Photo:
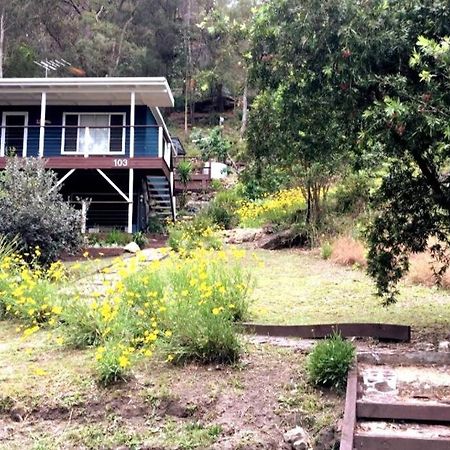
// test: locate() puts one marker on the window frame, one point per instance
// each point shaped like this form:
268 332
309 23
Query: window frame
79 114
24 114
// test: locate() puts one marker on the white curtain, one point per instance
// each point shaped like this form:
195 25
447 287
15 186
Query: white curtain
95 140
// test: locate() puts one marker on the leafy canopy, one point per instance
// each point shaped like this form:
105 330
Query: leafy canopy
371 77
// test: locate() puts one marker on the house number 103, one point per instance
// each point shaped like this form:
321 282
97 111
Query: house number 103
120 162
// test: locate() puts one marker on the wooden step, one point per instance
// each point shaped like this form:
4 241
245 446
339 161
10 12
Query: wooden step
401 436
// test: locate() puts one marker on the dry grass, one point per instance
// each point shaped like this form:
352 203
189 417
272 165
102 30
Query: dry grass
421 272
347 251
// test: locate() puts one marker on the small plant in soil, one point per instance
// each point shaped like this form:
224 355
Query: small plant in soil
329 362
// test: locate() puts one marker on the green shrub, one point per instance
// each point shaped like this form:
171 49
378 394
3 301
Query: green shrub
117 237
140 239
185 236
326 250
113 360
34 211
205 337
329 362
223 209
30 293
211 145
353 193
156 225
282 209
186 307
93 239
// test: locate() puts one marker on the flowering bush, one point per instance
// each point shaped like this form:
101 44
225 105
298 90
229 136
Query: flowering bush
276 208
185 307
29 292
186 236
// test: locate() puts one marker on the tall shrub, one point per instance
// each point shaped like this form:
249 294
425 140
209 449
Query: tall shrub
34 211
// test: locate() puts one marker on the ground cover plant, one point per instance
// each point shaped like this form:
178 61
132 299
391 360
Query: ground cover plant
185 307
186 236
330 361
278 208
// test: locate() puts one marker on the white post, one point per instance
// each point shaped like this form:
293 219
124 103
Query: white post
87 142
42 124
130 201
83 216
174 207
160 143
132 122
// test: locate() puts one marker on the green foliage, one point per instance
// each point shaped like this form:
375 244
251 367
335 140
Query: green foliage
156 225
371 78
281 209
184 171
113 360
184 308
30 292
258 182
32 210
223 208
117 237
186 236
212 145
9 246
353 193
330 361
140 239
326 250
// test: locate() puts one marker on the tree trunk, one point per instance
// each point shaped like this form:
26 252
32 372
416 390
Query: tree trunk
244 109
188 73
219 97
308 202
186 83
2 40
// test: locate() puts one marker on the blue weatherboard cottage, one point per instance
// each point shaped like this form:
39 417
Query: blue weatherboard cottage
105 138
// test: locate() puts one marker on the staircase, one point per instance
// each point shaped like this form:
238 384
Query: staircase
160 196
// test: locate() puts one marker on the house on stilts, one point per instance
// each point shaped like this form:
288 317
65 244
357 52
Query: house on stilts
105 138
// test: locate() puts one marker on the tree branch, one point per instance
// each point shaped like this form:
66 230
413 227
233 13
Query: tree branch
74 6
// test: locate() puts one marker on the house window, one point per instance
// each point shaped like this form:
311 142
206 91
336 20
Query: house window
94 133
14 134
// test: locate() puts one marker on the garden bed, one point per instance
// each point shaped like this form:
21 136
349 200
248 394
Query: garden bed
248 405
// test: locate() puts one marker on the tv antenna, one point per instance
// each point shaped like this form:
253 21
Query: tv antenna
52 65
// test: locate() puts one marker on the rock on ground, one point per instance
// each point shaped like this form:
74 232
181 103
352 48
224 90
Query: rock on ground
241 235
298 438
132 247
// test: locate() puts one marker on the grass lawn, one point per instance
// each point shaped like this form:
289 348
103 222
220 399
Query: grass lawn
298 287
50 400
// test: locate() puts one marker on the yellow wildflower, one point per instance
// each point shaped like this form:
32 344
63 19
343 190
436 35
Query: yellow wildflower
124 362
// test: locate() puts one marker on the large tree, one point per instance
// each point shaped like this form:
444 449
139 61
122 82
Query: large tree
377 73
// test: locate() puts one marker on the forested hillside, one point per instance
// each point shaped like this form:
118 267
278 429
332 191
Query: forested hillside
200 41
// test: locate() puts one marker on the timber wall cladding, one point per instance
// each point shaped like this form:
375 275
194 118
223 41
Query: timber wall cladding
146 138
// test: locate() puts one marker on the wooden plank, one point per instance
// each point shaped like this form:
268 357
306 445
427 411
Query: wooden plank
411 358
368 442
349 422
419 412
400 333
